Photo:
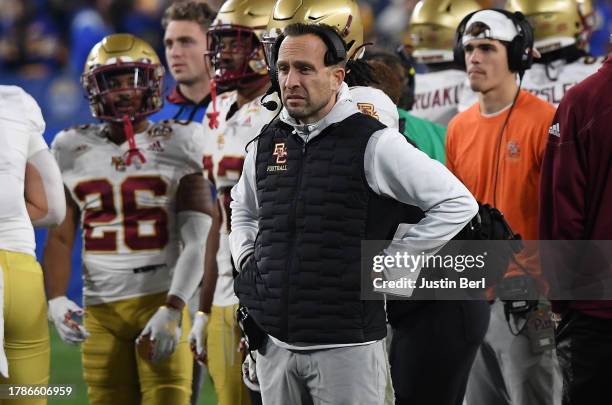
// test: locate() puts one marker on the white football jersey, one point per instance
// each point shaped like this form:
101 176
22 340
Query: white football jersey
548 82
437 94
21 136
375 103
130 241
225 153
551 82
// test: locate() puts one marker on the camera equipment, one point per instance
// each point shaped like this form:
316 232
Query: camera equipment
490 226
519 293
520 297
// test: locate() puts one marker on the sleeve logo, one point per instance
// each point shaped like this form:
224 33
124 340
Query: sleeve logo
368 109
555 131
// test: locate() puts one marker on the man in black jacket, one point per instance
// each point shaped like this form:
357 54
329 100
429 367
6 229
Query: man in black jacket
315 184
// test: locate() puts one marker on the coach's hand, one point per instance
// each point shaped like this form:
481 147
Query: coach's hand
163 331
197 336
61 312
249 374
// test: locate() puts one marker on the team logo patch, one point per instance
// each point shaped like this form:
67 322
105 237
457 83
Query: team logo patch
247 122
156 147
220 141
514 151
280 151
555 130
368 109
161 130
118 162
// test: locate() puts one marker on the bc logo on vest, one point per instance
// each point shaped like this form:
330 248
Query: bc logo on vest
280 151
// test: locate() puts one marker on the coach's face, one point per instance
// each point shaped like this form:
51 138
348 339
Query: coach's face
308 87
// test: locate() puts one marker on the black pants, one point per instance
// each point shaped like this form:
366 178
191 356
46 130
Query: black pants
584 349
255 397
196 383
433 349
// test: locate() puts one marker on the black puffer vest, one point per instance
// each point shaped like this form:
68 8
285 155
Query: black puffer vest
315 208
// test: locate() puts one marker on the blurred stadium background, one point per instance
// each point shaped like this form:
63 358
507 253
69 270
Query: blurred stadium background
43 46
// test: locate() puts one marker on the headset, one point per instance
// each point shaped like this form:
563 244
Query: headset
520 57
336 53
336 50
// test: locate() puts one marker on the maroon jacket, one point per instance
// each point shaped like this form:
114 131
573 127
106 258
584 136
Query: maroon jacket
576 184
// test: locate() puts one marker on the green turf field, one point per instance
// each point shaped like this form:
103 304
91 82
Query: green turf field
66 369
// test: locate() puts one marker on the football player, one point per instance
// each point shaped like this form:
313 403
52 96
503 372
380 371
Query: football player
561 35
137 190
32 194
432 31
185 25
426 136
233 119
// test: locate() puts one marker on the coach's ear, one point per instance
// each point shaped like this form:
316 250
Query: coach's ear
337 77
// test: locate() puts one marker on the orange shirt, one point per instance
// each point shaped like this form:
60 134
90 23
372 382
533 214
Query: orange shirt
471 154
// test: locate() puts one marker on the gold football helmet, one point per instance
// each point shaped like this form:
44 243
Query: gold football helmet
120 54
433 24
344 15
234 45
556 23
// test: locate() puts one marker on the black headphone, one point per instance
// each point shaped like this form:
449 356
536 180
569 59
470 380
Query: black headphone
520 57
336 50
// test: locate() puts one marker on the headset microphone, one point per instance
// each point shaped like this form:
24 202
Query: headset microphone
269 105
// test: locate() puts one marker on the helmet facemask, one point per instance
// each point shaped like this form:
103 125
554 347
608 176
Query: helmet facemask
236 56
110 90
105 83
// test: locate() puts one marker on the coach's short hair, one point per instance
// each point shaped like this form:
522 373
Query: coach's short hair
328 34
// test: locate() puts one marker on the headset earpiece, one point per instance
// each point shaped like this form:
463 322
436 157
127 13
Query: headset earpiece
336 51
273 72
524 55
